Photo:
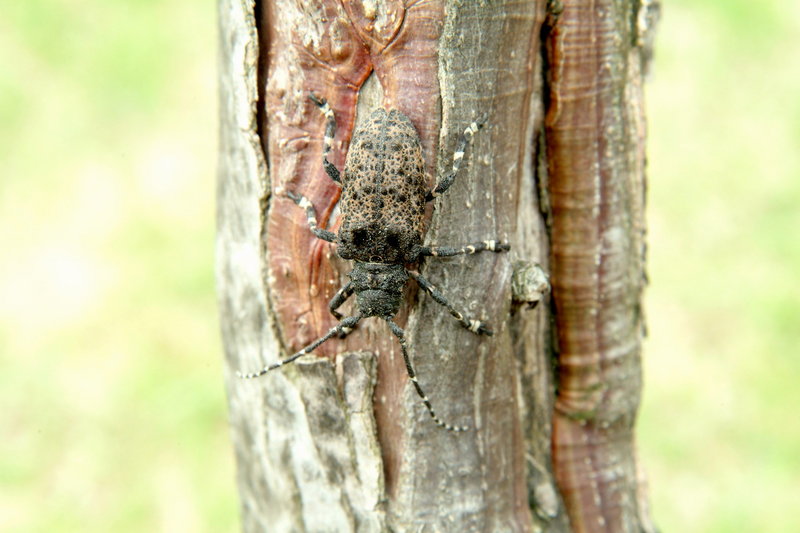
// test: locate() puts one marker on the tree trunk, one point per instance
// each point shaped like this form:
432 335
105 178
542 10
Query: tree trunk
339 441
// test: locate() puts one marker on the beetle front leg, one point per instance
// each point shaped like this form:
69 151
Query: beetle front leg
339 298
475 326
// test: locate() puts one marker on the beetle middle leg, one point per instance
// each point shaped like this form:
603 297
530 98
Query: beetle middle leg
472 248
475 326
311 214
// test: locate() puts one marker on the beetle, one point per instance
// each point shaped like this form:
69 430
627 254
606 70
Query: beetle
384 193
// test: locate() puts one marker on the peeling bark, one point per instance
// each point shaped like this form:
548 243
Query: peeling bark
594 135
339 441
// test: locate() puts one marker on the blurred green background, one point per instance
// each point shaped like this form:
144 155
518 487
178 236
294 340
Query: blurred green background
113 409
719 431
113 413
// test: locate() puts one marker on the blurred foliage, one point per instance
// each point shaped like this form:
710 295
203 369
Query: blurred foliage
113 407
113 403
718 431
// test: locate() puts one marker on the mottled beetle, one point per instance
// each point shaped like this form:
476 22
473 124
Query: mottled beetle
383 205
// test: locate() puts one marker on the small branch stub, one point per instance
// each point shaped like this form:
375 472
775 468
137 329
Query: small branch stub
529 283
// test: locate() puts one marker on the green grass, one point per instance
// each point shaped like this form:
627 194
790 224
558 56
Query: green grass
719 431
113 406
112 398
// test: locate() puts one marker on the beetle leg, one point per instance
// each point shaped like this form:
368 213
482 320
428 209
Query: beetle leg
458 157
475 326
311 214
473 248
330 133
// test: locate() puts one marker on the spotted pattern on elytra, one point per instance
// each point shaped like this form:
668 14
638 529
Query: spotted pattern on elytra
383 190
384 193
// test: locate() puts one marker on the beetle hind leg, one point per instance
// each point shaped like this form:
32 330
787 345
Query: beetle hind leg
458 157
330 133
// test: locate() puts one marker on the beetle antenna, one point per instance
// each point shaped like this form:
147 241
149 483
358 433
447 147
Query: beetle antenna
342 328
401 336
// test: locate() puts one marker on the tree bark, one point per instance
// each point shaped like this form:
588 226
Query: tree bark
594 136
339 441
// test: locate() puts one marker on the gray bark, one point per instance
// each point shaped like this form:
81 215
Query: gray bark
342 443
